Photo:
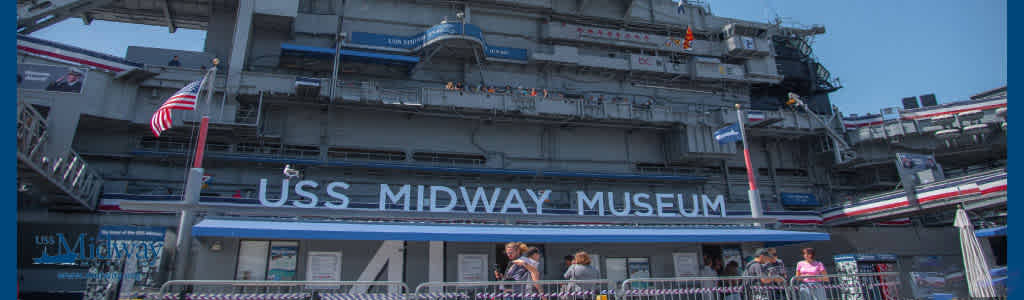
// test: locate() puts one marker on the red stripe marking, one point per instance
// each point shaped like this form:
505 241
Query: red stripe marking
999 188
936 197
954 111
68 58
868 210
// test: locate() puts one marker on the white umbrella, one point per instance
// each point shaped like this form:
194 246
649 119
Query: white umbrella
979 281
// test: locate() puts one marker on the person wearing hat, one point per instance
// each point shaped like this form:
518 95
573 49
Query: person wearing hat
72 82
759 268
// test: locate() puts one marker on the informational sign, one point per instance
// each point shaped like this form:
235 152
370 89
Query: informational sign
51 78
918 168
799 199
616 269
472 267
323 266
748 43
283 258
436 33
252 260
686 264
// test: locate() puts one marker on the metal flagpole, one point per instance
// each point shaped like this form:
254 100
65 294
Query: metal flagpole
752 194
193 186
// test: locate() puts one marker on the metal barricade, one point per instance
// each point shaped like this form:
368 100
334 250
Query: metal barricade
705 288
867 286
515 290
280 290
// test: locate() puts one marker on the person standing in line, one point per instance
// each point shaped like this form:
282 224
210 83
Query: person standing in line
581 270
767 276
810 288
731 269
707 270
777 267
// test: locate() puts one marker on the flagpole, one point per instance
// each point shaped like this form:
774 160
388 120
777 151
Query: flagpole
205 123
752 194
193 185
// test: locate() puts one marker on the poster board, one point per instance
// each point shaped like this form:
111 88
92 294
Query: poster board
323 266
283 259
685 264
62 79
472 267
252 260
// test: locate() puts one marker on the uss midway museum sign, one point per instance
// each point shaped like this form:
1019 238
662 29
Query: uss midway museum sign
436 198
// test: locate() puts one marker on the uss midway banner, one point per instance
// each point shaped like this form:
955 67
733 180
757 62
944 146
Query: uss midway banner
435 198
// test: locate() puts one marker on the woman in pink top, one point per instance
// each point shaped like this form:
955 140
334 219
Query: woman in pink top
811 288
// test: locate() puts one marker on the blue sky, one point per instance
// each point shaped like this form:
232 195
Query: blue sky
881 50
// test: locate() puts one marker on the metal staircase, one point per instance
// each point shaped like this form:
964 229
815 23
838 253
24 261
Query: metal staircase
66 179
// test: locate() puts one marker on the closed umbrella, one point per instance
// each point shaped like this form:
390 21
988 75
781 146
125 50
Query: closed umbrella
979 281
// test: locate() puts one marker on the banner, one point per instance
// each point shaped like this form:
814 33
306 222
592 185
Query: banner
728 134
51 78
436 33
799 199
921 169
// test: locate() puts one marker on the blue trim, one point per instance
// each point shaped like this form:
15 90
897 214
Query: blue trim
989 232
482 233
350 53
431 169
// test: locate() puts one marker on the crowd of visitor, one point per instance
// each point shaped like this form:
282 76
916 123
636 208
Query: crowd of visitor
766 269
644 103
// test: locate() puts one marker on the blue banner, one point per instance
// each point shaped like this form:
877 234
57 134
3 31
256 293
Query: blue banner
438 32
798 199
729 134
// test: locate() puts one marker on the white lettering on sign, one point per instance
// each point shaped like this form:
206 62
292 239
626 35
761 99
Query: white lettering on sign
436 198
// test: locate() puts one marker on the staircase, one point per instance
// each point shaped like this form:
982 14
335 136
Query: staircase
64 179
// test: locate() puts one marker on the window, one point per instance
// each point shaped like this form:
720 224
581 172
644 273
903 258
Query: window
267 260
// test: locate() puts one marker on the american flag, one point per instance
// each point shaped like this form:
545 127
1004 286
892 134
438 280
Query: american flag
184 99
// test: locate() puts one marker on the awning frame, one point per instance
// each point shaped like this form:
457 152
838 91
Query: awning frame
279 229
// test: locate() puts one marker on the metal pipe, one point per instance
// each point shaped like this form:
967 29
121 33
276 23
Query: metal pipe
337 62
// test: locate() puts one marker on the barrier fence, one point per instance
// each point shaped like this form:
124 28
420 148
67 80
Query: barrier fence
871 286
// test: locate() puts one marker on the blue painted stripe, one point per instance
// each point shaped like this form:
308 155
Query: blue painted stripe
431 168
996 231
480 233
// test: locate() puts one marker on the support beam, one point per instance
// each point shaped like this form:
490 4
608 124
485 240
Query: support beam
435 271
167 14
387 251
59 10
239 47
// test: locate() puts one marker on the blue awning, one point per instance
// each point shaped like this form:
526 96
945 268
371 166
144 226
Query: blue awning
987 232
489 233
350 54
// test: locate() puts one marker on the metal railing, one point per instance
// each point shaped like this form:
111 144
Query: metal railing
67 170
280 290
869 286
512 290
